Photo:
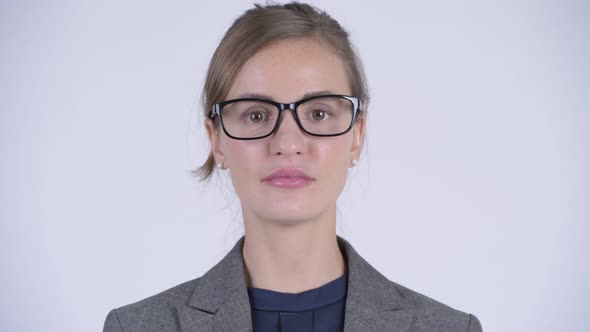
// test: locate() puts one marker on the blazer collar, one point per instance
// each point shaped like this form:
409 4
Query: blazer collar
221 298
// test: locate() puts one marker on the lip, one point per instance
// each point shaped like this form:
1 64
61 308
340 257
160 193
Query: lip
288 178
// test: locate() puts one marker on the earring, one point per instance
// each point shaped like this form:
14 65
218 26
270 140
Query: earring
220 166
353 163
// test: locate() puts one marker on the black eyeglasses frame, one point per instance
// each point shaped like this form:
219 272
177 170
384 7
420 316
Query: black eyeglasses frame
216 111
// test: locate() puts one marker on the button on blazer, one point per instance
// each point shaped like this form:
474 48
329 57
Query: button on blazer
218 301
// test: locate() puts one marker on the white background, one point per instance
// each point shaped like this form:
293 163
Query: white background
473 189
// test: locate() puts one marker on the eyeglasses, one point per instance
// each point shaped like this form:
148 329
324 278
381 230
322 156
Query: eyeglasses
254 118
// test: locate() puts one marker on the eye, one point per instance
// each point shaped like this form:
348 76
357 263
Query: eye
257 116
318 115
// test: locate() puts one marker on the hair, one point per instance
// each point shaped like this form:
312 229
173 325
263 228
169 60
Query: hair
262 26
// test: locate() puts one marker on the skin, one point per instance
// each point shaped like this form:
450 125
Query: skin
290 243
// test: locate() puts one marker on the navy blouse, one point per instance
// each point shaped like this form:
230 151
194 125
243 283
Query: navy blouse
318 309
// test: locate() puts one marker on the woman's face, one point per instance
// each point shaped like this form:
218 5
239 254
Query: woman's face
285 72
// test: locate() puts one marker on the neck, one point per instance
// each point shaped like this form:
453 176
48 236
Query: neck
292 257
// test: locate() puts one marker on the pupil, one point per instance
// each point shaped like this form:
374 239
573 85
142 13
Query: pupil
318 115
256 117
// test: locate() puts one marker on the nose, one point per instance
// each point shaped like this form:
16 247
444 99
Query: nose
288 139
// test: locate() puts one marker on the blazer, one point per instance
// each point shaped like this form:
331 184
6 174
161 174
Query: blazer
218 301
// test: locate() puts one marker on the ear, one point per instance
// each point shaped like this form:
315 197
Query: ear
358 137
213 135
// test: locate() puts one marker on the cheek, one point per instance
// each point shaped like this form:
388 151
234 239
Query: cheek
334 156
335 150
243 159
240 154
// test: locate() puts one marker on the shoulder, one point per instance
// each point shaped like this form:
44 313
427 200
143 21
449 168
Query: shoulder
157 312
432 315
399 305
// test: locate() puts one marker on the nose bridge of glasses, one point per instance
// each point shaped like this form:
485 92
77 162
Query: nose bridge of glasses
288 107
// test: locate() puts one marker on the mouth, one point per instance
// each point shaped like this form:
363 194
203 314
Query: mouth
288 178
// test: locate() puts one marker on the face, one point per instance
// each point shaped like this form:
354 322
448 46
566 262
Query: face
285 72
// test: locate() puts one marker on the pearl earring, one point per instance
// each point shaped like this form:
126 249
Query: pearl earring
220 166
353 163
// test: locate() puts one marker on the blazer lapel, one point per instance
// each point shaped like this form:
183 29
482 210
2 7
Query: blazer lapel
220 300
372 302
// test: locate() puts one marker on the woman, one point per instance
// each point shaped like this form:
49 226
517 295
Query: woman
285 107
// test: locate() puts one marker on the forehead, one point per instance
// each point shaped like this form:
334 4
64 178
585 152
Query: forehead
289 69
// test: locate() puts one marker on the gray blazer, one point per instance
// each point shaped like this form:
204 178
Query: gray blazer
218 301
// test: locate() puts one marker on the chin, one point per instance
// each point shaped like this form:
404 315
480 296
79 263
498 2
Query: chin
288 215
285 206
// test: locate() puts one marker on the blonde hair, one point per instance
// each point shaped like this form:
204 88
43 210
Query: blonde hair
266 24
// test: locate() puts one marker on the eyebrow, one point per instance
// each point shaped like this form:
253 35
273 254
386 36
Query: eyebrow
305 96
